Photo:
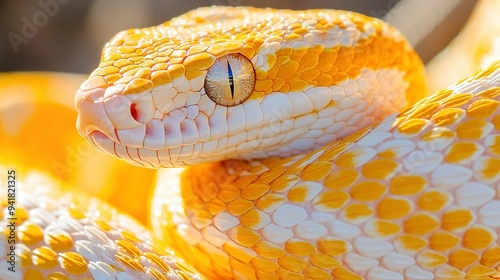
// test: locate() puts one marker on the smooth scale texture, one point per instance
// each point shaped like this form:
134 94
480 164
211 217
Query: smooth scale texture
417 196
62 234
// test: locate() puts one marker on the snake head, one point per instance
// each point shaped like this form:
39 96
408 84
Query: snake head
223 82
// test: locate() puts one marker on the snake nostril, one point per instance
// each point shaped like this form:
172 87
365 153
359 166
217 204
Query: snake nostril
133 111
141 107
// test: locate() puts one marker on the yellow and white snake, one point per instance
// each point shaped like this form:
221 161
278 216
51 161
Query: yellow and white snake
293 162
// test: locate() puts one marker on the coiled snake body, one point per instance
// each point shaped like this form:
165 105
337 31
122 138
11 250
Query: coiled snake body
296 167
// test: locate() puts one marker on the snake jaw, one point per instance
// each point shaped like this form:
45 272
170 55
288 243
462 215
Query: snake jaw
106 119
92 117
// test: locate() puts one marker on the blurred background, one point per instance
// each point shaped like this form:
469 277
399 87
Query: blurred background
37 117
67 35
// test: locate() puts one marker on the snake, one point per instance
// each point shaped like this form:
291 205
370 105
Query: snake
289 145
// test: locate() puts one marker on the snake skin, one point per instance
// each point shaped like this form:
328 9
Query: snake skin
313 176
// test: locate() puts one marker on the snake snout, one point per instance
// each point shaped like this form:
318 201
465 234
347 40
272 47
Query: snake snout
120 117
92 115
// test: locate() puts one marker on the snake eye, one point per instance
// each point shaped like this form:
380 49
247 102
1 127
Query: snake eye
230 80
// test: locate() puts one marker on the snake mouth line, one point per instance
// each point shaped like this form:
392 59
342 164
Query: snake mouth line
137 156
96 137
144 156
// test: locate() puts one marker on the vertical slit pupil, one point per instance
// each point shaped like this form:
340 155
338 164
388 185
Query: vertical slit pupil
231 81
